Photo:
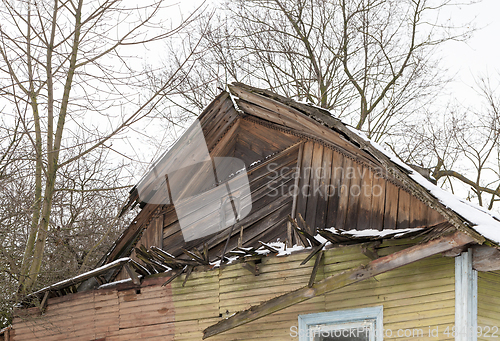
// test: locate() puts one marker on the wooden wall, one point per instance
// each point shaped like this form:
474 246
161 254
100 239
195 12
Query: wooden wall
268 179
338 191
488 305
414 297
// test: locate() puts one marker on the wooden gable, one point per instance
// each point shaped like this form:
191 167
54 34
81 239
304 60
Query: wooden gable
296 166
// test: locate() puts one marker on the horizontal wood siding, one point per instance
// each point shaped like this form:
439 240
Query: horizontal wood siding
417 296
86 316
488 305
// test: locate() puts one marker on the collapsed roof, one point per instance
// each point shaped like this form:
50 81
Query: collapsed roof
248 134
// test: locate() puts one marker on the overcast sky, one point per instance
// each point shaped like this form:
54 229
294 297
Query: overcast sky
480 56
466 61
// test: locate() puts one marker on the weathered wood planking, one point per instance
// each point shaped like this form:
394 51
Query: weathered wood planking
434 217
343 193
391 205
124 244
86 317
488 305
270 182
270 110
414 296
357 198
354 194
324 189
305 176
404 208
261 140
316 174
173 230
339 280
334 190
418 213
365 201
378 202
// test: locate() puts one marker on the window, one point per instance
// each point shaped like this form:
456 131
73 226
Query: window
364 324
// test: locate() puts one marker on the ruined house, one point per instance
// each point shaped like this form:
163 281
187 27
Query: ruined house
271 219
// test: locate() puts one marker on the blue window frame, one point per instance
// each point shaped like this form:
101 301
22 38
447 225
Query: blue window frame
365 324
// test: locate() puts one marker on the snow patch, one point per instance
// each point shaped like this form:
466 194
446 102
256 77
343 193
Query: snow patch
374 233
483 221
107 285
283 250
216 264
233 99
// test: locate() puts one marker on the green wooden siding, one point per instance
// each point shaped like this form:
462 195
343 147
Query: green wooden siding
416 297
488 305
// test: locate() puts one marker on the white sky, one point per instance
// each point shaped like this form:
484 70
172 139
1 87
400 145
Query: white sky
466 62
478 57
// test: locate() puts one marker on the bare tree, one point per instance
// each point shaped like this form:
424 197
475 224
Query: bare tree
460 148
369 61
88 197
74 81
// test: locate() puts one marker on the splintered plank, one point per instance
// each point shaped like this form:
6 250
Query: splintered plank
404 210
355 191
365 200
334 188
314 183
378 202
305 175
343 192
324 186
391 206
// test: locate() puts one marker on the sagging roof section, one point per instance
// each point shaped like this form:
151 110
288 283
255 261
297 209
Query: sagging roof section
261 127
463 219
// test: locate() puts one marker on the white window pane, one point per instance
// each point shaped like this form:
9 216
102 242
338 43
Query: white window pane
354 331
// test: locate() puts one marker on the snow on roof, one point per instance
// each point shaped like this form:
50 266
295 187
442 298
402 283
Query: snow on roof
111 284
483 221
375 233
